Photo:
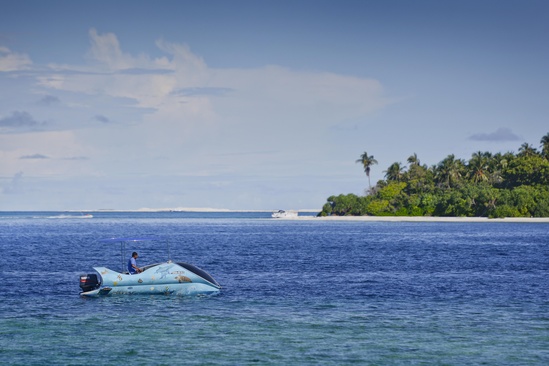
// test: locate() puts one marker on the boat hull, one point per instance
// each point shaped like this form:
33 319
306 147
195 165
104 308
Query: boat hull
281 214
161 279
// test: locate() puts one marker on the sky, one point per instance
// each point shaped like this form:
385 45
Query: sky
256 105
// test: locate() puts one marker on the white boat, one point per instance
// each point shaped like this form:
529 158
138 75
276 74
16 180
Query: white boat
168 278
284 214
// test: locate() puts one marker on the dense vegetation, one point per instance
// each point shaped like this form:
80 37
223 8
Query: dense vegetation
489 185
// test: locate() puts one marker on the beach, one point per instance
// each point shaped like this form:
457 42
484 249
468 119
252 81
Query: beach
422 219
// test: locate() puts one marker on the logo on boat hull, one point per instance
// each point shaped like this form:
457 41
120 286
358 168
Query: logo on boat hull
181 279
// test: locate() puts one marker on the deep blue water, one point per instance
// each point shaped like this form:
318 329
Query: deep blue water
294 292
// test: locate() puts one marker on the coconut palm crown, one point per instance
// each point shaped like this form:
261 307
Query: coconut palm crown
367 161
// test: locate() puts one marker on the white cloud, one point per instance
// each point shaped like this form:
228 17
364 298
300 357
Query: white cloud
106 50
13 61
134 117
317 92
279 107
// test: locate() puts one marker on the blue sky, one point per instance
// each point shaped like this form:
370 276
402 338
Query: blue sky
255 105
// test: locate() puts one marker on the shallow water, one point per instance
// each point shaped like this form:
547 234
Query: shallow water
294 292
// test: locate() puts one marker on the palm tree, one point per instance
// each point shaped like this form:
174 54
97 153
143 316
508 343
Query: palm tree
367 161
394 172
527 150
413 159
479 166
449 170
545 146
497 165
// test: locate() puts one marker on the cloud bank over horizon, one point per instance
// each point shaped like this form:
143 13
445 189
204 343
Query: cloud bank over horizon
179 114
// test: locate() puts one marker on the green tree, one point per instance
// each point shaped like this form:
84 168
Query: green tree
497 165
428 203
453 203
541 208
482 198
413 159
545 146
326 210
395 172
391 190
526 170
478 167
378 208
500 185
342 205
449 171
527 150
418 177
524 200
367 161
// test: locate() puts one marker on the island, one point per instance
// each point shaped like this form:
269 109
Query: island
488 185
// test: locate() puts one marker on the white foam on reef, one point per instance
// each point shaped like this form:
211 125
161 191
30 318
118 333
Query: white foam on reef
87 216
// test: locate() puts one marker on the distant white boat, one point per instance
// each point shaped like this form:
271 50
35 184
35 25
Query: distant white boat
284 214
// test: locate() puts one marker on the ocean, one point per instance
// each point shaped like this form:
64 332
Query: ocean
294 292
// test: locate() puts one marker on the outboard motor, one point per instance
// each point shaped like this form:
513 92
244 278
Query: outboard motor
89 282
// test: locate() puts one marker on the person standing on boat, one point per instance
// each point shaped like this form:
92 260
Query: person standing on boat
132 264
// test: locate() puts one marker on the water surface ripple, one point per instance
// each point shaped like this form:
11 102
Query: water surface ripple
294 292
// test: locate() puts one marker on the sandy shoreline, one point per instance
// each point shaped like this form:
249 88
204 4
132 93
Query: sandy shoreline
422 219
342 218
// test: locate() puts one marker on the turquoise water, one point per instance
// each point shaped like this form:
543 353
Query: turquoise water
294 292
